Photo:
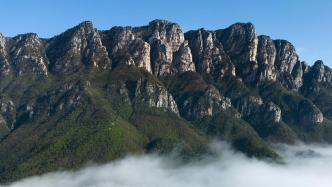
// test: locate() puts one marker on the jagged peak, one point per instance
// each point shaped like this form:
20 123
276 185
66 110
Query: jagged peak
26 36
283 42
28 39
2 40
162 22
200 30
249 27
265 37
318 63
88 24
84 27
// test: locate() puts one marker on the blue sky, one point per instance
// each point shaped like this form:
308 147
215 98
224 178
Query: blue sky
305 23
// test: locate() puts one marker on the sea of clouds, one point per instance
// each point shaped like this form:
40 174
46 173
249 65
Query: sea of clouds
304 165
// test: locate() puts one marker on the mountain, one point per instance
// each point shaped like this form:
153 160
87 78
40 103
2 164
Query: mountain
94 96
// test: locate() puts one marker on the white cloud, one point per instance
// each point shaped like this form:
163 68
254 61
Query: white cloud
306 166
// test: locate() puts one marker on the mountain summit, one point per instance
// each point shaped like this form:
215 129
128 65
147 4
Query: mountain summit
90 95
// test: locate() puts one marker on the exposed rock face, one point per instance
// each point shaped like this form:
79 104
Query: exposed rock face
208 104
240 43
297 75
165 39
167 32
163 50
273 112
28 55
266 54
125 48
208 54
320 73
182 61
286 56
104 94
248 105
161 58
309 113
79 45
4 64
266 51
144 92
7 111
159 47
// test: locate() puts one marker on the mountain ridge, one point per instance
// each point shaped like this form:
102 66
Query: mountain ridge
89 95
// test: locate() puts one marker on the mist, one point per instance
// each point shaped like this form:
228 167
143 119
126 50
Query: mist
305 166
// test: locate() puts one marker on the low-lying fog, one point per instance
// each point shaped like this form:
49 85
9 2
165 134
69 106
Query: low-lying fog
306 166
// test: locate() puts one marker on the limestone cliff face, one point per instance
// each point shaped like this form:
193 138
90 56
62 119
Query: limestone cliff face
273 112
208 104
4 63
154 95
286 57
208 54
76 49
320 73
266 56
161 57
167 32
125 48
161 50
8 112
240 43
169 52
183 60
248 105
28 55
309 114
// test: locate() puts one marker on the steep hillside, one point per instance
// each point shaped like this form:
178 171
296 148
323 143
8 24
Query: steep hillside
94 96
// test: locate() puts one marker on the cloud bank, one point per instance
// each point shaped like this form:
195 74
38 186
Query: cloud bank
306 166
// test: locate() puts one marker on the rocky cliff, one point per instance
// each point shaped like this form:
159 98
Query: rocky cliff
90 95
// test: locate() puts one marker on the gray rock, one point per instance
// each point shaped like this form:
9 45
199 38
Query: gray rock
297 75
320 73
182 60
76 49
4 64
273 112
309 114
161 58
28 55
208 54
266 54
240 43
165 39
8 111
247 105
167 32
208 104
125 48
152 94
286 57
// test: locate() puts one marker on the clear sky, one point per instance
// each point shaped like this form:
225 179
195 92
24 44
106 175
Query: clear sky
305 23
